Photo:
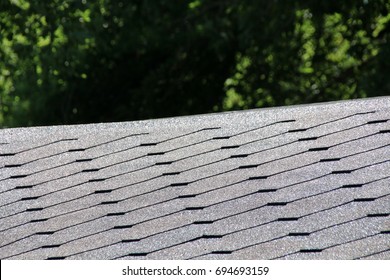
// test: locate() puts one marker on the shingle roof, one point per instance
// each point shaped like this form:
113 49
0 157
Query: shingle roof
300 182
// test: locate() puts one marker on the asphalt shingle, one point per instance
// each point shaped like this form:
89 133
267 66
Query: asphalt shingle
299 182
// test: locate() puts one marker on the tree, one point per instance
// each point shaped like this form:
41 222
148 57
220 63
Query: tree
92 61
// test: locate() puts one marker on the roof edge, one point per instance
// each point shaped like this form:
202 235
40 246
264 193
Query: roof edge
383 100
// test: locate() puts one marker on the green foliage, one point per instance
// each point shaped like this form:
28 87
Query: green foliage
91 61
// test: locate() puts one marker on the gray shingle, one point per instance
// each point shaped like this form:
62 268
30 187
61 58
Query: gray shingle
300 182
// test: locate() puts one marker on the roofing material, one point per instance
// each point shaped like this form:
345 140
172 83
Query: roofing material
299 182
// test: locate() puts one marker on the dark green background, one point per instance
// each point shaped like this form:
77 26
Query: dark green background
64 62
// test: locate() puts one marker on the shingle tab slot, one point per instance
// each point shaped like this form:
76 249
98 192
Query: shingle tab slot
164 163
84 160
155 154
29 198
18 176
248 166
76 150
230 147
385 131
34 209
207 236
109 202
351 186
378 215
147 144
186 196
130 240
277 203
221 252
50 246
45 233
221 137
38 220
179 184
297 130
116 214
7 155
342 172
97 180
364 199
385 232
170 173
194 208
12 165
308 139
286 219
299 234
239 156
329 159
56 258
24 187
310 250
203 222
318 149
377 121
137 254
103 191
123 226
258 178
91 170
267 190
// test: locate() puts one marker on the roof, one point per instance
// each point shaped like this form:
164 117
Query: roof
299 182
